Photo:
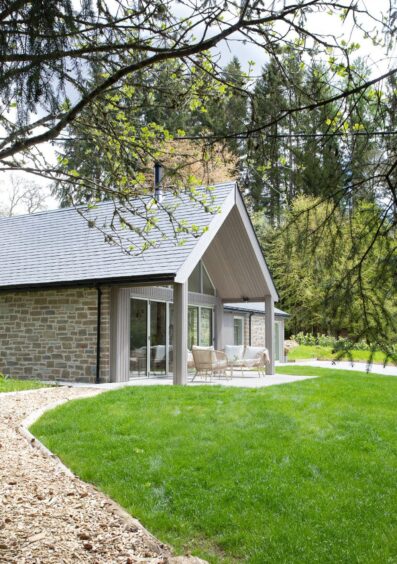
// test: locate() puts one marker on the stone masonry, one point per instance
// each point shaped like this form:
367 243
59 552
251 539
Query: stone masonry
258 330
51 334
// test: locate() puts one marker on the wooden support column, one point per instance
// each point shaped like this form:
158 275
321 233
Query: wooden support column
219 344
180 333
120 340
269 333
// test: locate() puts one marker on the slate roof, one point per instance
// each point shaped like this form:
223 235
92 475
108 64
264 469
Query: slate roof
254 307
58 246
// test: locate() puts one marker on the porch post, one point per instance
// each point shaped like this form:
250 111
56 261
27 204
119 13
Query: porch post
180 333
219 325
269 333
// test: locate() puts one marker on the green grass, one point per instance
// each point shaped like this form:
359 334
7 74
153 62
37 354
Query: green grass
297 473
11 385
305 352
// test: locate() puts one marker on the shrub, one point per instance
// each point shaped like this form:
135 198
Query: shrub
340 343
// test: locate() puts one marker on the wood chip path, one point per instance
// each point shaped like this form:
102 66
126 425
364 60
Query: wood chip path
48 515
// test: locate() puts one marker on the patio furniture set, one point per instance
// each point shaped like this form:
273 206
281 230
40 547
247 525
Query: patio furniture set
209 362
206 361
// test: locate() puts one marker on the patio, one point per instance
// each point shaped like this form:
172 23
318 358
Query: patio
250 379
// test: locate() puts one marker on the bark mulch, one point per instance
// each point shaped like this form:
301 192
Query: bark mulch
47 515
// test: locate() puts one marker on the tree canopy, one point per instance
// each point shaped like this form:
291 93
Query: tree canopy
111 87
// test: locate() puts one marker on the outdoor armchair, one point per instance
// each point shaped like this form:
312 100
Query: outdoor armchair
210 362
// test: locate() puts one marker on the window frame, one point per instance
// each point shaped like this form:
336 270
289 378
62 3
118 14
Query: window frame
199 308
242 319
202 269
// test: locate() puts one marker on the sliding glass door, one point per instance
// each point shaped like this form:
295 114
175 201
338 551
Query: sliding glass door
149 353
158 338
152 331
139 337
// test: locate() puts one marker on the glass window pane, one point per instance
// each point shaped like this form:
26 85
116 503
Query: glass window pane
194 284
192 338
206 327
207 285
138 337
238 331
158 336
277 336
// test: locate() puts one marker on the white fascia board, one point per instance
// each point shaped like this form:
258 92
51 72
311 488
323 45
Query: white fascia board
255 245
205 240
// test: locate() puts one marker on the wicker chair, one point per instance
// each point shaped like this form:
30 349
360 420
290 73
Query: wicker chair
210 362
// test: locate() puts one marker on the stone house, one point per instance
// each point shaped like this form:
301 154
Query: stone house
76 303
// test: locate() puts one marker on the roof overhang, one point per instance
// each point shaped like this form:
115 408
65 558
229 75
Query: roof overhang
232 255
253 310
124 281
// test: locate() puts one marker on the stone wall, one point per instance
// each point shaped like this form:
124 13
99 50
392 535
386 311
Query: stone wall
51 334
258 331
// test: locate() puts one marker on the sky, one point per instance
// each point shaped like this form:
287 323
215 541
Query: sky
375 57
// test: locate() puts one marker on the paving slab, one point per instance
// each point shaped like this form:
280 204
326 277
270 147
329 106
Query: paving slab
246 379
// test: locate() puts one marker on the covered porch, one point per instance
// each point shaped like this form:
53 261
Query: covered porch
155 325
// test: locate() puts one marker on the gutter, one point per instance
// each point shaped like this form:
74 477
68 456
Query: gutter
148 279
255 311
98 336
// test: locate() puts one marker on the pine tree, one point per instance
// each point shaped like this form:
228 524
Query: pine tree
267 179
227 113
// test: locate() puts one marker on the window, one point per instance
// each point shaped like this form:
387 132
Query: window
238 327
200 282
195 280
208 288
277 339
205 327
193 328
200 326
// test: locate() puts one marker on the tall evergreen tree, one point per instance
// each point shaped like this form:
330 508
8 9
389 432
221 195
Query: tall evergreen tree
321 168
227 113
267 180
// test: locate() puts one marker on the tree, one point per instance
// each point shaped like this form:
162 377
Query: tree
333 272
167 103
47 53
23 196
227 113
67 67
267 181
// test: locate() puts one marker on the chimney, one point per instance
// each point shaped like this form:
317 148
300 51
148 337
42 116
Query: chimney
158 179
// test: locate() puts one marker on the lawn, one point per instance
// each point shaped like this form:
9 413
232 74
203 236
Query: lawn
297 473
11 385
305 352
